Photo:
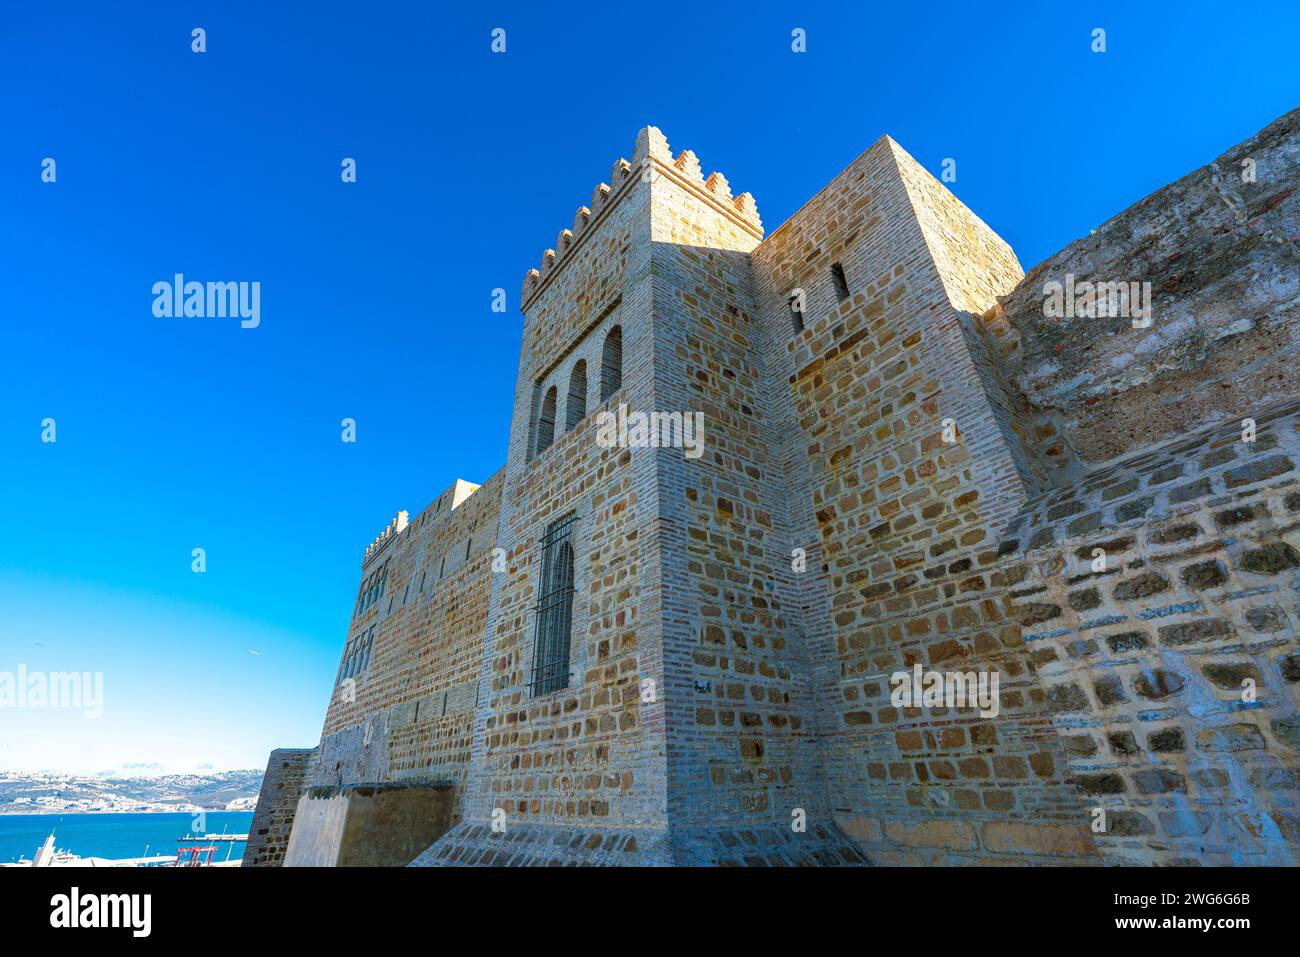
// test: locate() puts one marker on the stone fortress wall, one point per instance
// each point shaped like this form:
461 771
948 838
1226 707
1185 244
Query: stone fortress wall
915 469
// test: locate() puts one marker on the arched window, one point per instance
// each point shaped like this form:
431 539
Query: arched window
554 609
611 364
575 406
546 422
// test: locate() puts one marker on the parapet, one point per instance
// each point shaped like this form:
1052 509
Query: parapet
393 529
650 153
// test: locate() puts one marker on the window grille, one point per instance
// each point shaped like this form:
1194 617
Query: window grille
554 609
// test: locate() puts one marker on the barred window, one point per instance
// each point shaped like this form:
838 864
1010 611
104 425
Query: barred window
554 609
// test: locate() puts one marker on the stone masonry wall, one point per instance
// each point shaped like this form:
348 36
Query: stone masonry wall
408 716
287 771
1221 251
588 759
738 686
1158 599
901 527
919 470
1170 670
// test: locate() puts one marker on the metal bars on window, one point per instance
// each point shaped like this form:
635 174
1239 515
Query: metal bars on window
554 609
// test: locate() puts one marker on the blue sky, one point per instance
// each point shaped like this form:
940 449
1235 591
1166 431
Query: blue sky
183 433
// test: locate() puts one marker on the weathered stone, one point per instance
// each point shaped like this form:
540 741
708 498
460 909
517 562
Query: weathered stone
1067 698
1232 675
1203 575
1158 683
1194 632
1080 744
1143 586
1159 781
1165 740
1128 824
1108 783
1234 516
1267 618
1123 742
1085 599
1185 493
1180 532
1230 737
1134 509
1109 690
1291 666
1271 559
1016 837
1258 471
1287 730
1036 612
1127 641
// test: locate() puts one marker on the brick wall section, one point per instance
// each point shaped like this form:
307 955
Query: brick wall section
904 528
1144 662
1120 689
589 756
738 685
672 568
284 782
410 716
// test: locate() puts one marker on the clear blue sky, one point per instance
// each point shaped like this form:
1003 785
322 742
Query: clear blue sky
183 433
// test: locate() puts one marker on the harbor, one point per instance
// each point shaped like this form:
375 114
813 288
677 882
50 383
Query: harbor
124 840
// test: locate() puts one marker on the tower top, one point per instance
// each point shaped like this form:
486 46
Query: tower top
650 153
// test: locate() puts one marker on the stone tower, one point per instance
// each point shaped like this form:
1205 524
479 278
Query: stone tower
720 624
685 652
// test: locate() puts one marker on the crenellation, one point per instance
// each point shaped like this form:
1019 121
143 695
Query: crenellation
393 529
650 152
717 184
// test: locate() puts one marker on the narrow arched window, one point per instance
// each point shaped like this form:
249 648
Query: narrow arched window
575 406
554 609
611 364
546 422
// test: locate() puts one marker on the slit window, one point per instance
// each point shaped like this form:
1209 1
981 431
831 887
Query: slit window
796 312
575 405
841 283
611 363
546 422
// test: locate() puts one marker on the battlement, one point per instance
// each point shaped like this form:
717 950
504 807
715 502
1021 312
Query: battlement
650 153
393 529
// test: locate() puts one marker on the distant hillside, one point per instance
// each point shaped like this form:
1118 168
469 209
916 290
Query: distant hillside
24 793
